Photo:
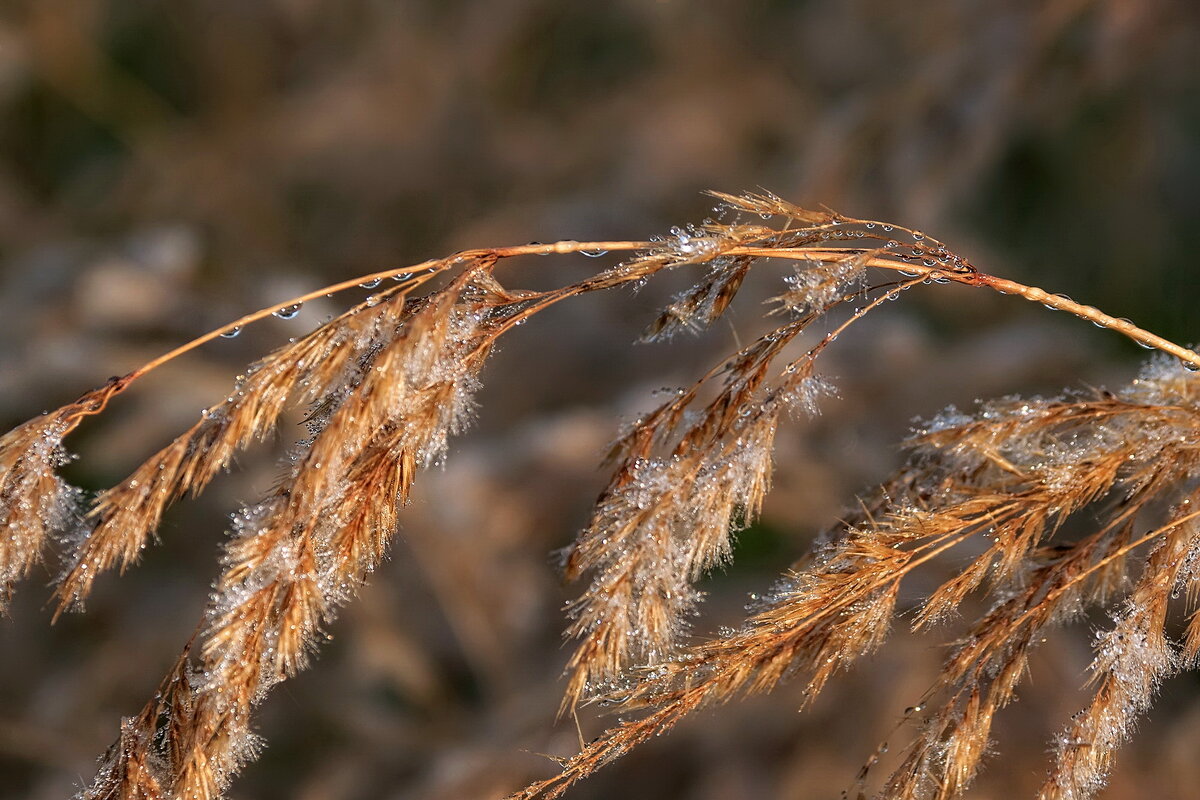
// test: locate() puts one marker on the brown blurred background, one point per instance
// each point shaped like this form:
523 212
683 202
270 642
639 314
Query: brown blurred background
167 166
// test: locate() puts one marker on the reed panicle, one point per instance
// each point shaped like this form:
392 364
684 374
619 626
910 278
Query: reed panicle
387 383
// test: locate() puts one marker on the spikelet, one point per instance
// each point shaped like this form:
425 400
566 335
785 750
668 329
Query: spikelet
139 764
682 486
124 518
816 285
1011 473
686 478
767 204
35 503
1132 660
305 548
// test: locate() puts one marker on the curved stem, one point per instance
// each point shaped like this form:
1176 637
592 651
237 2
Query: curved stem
1143 337
566 246
1092 314
98 399
891 293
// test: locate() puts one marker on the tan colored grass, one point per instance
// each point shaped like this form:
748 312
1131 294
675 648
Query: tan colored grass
389 381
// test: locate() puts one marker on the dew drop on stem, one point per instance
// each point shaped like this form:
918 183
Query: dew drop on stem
371 284
287 312
232 332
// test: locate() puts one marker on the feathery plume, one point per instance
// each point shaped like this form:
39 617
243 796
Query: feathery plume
389 382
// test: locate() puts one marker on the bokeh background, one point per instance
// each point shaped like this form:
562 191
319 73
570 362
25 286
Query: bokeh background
167 166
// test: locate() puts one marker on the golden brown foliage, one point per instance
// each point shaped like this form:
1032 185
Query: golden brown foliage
387 382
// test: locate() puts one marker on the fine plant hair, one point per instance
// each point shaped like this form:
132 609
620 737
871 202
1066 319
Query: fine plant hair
386 383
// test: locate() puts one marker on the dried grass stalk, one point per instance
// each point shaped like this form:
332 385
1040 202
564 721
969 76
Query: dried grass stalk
388 382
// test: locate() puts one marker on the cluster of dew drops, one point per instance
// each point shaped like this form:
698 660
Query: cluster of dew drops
292 310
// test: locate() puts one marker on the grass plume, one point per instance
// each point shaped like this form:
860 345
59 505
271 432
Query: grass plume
388 382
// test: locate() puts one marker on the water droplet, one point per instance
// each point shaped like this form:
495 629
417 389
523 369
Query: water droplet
594 253
887 228
870 225
371 284
1144 345
232 332
1052 306
287 312
918 235
1190 366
